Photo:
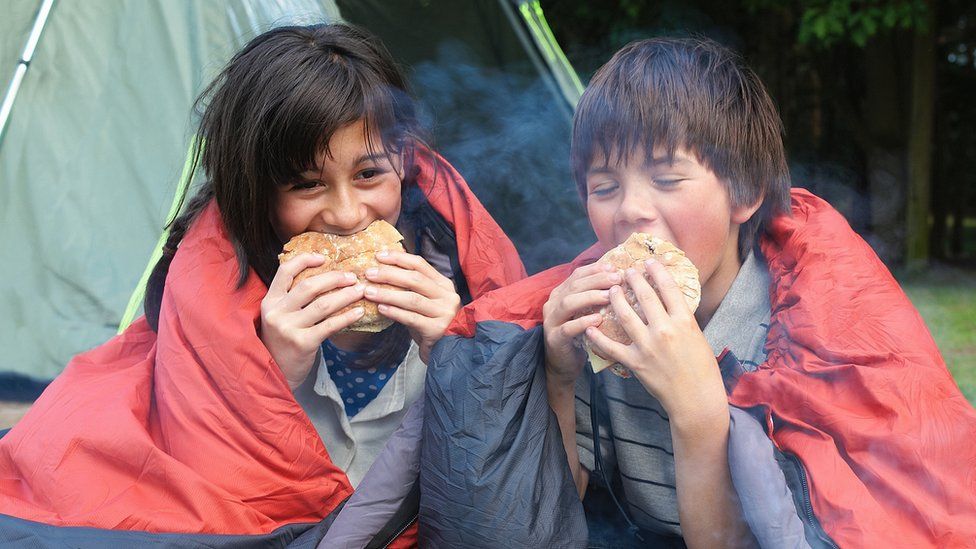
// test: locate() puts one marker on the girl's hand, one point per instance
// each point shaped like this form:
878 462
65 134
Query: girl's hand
424 300
669 354
296 320
584 289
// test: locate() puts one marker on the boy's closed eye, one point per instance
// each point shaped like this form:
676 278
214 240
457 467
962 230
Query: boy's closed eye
604 188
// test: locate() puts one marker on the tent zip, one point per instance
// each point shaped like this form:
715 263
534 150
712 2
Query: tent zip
43 11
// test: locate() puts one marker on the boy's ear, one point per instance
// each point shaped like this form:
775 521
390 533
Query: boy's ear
742 212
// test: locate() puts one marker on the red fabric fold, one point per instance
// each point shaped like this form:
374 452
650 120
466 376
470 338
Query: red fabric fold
195 429
854 385
857 389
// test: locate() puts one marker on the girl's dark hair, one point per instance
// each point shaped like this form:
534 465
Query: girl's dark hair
695 94
268 115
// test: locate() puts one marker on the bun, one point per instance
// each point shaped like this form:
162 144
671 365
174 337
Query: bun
631 254
354 253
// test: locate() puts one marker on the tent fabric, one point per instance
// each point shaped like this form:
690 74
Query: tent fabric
875 440
195 430
96 140
92 152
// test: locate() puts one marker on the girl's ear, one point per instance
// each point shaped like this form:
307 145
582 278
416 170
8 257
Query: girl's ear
742 212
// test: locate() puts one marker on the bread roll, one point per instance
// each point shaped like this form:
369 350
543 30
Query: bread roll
631 254
353 253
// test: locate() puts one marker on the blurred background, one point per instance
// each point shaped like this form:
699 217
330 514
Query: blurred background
877 99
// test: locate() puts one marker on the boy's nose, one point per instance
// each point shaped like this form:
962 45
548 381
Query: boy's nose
637 209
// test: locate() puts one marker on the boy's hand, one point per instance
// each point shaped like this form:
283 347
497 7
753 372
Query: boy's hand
669 354
425 301
584 289
295 320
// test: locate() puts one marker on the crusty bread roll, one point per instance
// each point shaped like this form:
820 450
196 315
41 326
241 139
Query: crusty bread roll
353 253
631 254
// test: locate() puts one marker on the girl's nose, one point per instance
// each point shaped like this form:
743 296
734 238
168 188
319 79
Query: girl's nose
344 213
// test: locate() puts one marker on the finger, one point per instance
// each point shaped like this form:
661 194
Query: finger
328 327
288 270
327 305
306 291
608 348
413 262
407 279
647 297
574 304
404 299
602 280
408 318
629 320
575 328
671 294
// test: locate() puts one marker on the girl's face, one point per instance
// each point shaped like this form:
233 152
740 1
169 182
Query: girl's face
352 186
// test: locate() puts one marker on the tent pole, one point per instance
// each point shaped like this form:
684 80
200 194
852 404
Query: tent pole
35 35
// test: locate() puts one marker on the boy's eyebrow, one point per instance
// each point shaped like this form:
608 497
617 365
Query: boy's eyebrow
599 170
677 161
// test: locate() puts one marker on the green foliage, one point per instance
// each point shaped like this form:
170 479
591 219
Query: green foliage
829 22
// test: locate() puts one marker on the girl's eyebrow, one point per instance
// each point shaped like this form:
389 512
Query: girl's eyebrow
375 157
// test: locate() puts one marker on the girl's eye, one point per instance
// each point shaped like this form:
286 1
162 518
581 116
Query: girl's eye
665 182
303 185
370 173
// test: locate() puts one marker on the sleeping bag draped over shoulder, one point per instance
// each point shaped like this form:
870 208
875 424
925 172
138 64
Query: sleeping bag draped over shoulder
191 436
854 408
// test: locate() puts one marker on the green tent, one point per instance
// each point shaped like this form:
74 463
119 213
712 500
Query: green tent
94 146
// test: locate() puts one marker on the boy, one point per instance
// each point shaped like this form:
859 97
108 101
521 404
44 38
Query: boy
829 417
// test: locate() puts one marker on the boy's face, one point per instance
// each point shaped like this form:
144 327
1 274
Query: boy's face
681 201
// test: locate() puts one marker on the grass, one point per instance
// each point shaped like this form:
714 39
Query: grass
946 298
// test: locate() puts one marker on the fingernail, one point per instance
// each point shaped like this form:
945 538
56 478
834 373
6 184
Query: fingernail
606 294
631 272
607 267
359 311
350 276
382 253
615 278
650 262
370 291
372 272
383 308
614 290
590 331
360 287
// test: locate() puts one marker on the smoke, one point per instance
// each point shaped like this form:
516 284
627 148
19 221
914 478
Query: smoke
508 134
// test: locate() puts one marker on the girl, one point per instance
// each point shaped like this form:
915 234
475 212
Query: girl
237 406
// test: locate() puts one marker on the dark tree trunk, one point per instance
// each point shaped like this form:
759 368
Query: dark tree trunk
920 146
885 153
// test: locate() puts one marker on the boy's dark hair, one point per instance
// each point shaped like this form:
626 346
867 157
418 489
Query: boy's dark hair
694 94
268 115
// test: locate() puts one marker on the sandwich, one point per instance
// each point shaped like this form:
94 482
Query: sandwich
354 253
632 253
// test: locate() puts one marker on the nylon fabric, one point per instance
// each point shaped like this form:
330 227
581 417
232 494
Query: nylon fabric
195 430
493 471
